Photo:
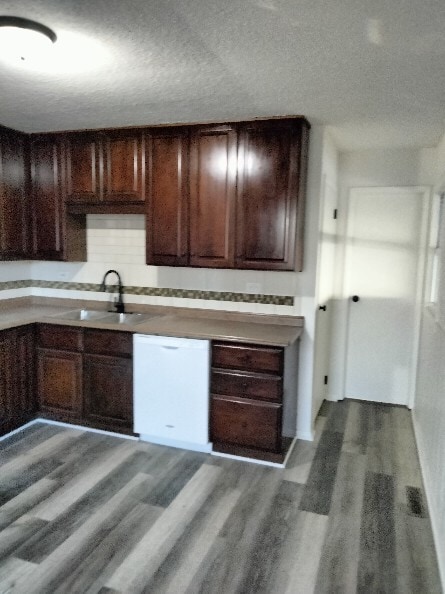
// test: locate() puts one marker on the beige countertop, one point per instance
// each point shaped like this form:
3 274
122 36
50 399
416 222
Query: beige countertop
269 330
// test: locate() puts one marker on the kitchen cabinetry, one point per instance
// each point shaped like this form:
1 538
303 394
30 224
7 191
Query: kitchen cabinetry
108 379
59 371
17 396
245 199
57 235
105 171
14 219
167 235
270 195
212 196
85 376
249 387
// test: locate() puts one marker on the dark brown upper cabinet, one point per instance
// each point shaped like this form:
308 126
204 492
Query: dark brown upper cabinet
14 208
57 235
167 161
213 172
270 194
245 196
105 171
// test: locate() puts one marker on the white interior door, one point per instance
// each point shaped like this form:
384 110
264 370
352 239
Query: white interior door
382 270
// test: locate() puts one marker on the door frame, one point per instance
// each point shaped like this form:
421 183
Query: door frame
426 196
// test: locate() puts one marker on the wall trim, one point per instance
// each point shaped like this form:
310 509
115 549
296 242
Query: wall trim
154 292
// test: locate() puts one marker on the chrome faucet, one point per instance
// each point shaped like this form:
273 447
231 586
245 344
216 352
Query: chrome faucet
118 303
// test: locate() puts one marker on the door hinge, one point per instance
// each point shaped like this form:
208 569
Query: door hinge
325 380
335 213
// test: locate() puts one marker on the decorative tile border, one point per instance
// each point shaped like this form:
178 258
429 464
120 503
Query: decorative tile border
155 292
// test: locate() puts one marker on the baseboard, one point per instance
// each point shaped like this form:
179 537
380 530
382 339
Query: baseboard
83 428
439 546
7 435
174 443
306 435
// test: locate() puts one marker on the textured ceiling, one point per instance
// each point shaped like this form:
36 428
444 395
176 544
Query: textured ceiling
373 70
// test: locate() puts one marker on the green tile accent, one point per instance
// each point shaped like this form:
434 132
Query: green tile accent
155 292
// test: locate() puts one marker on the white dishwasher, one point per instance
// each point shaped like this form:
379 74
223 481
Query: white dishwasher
171 391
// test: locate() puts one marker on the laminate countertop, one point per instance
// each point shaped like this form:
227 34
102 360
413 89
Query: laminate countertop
256 329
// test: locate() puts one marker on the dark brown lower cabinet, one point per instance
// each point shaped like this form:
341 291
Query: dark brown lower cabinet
85 376
253 389
17 395
108 380
59 380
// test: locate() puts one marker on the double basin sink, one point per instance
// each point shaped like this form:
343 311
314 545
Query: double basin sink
105 317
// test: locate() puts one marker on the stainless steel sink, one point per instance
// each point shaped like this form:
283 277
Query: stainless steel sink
83 315
105 317
126 318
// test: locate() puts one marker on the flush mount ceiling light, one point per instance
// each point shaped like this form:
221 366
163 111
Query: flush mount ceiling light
22 38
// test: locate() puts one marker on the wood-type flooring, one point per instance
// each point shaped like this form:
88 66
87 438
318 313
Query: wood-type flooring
82 512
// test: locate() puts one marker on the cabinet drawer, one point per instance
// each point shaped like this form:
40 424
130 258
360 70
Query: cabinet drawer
247 357
246 423
243 385
109 342
65 338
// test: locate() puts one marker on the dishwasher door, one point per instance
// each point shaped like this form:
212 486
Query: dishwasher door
171 391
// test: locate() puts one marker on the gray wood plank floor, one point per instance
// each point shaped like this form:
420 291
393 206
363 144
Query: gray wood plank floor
89 513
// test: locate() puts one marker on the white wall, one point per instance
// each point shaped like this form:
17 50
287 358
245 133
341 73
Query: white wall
429 405
325 279
366 168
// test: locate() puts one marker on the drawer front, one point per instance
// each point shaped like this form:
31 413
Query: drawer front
65 338
246 423
243 385
109 342
247 357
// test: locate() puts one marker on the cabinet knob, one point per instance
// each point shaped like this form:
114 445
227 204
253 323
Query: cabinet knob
322 307
355 298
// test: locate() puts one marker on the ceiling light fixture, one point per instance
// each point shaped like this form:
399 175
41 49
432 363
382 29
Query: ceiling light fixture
21 38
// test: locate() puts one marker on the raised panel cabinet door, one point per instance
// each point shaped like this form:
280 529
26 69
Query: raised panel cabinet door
26 401
245 423
269 195
123 167
108 390
84 166
59 382
167 197
14 219
47 207
213 166
8 378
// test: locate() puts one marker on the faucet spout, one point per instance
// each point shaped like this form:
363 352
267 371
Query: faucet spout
119 306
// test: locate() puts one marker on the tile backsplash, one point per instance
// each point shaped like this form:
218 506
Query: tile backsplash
118 242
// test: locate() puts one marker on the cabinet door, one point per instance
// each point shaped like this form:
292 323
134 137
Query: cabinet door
123 167
59 383
47 208
108 391
268 195
245 423
14 221
8 378
167 198
26 401
212 196
83 168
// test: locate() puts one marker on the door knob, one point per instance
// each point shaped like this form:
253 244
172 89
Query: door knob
355 298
